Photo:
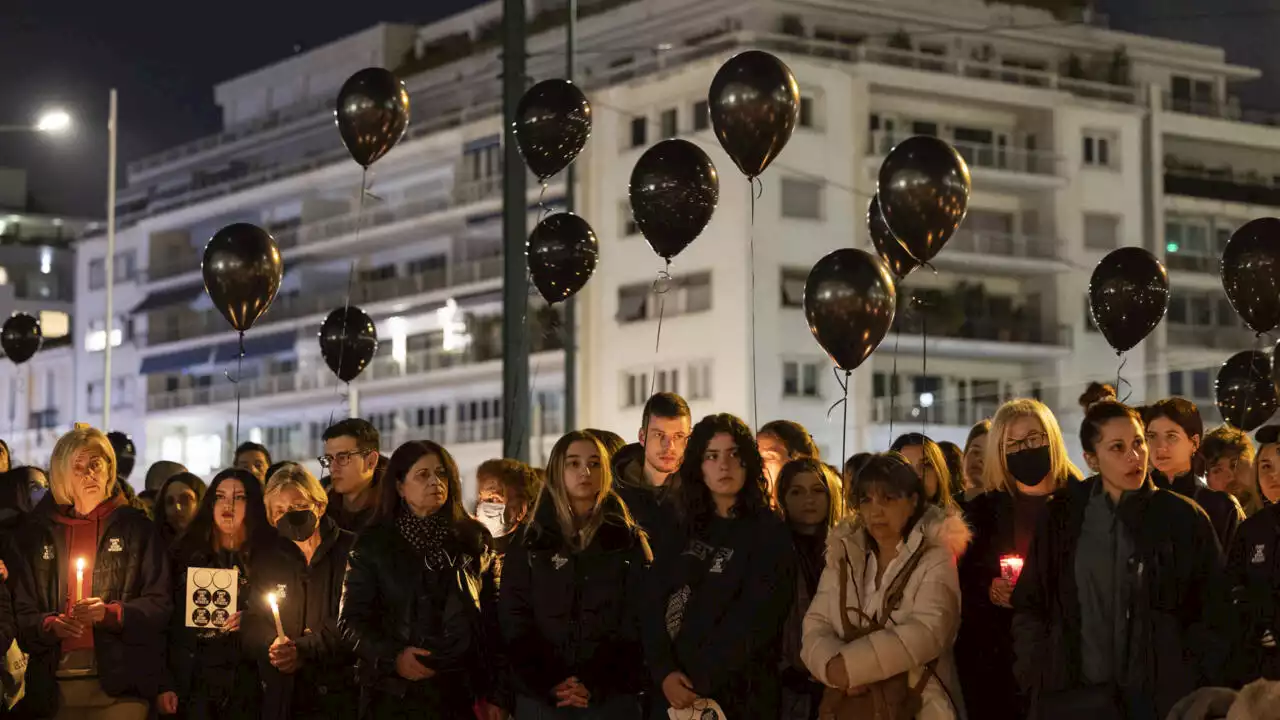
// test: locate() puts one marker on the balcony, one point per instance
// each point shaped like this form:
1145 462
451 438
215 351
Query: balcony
987 251
1219 110
1188 262
318 304
1220 184
940 411
1212 337
318 378
1003 164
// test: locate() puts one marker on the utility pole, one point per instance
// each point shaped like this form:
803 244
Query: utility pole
515 232
570 305
110 264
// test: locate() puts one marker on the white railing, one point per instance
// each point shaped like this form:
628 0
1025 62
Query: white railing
981 155
942 411
1209 336
1013 245
1229 110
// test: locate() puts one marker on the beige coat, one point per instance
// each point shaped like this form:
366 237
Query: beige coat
922 629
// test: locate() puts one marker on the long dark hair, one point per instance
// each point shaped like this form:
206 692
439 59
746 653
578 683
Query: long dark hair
1102 412
402 461
693 499
936 460
893 475
199 540
1183 413
825 473
185 478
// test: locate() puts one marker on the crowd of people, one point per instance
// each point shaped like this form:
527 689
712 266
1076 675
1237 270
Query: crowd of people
702 569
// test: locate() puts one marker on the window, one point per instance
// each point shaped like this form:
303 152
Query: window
1101 232
633 303
806 112
701 116
667 380
1200 384
97 274
1175 384
684 295
1177 314
95 340
429 264
629 226
696 293
801 199
793 281
1097 150
125 268
382 272
639 132
635 389
799 379
669 123
699 384
54 324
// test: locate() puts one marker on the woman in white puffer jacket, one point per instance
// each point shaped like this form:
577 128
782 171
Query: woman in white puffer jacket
899 552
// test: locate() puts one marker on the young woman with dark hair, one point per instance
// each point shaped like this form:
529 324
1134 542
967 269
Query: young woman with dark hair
721 588
211 673
1114 610
572 593
927 458
780 442
176 504
1174 434
1253 567
811 498
970 484
419 598
887 607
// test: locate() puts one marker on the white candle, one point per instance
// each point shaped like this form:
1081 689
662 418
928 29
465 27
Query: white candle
79 579
275 611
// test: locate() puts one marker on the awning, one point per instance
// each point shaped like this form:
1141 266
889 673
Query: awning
178 360
172 296
256 346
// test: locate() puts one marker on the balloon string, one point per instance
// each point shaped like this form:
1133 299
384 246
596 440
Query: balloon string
351 275
751 262
924 367
1120 381
844 424
661 285
543 210
239 375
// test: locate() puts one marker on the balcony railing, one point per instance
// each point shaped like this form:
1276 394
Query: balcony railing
311 303
1211 337
981 155
465 192
1191 263
1222 184
1006 330
941 411
1010 245
320 378
1229 110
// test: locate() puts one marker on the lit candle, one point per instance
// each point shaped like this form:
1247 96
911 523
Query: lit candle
1011 567
275 611
79 579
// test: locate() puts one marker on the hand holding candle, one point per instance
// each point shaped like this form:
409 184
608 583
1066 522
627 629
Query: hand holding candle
79 579
1011 568
275 611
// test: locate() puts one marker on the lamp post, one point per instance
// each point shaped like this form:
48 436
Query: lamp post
110 264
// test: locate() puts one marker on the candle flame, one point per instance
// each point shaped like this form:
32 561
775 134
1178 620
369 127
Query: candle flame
80 565
271 600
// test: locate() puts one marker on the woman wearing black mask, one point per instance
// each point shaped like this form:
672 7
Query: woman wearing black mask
1026 461
309 672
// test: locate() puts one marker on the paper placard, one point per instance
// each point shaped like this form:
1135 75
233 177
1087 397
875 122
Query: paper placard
211 596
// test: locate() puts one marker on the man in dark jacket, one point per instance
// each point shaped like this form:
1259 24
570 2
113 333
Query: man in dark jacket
641 470
1173 589
351 457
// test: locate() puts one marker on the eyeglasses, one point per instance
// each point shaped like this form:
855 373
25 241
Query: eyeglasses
341 459
1034 441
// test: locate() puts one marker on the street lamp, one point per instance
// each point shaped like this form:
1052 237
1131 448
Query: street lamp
54 122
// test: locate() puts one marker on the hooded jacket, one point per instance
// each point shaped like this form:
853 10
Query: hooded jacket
1223 508
648 504
923 628
575 614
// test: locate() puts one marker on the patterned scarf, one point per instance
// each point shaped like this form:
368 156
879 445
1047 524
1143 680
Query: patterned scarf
427 535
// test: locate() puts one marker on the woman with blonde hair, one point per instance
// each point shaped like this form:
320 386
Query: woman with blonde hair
1026 462
571 592
309 671
90 580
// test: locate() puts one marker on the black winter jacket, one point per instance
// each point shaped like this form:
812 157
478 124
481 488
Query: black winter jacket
649 506
130 568
567 614
741 575
309 596
392 600
1223 509
1253 567
1177 579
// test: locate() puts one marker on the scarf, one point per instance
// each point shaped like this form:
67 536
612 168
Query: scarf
427 535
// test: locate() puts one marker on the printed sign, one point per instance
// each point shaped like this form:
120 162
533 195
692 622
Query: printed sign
211 596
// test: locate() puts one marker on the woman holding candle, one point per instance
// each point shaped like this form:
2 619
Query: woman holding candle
888 604
1114 612
1253 568
211 673
419 598
572 592
307 668
96 657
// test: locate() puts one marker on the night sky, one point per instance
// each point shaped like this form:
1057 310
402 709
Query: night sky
165 57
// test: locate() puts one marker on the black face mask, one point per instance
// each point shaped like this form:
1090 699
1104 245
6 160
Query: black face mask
1029 466
297 525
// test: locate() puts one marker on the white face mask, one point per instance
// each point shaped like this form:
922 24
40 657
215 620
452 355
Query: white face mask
493 516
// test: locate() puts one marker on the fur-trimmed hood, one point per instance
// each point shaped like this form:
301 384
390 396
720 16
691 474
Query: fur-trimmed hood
944 528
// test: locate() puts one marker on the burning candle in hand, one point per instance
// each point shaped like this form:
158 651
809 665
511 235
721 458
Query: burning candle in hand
275 611
1011 567
79 579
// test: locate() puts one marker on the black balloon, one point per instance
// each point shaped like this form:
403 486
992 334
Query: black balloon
1251 273
891 251
242 271
348 342
553 122
849 302
1245 391
563 252
1128 296
924 193
674 191
20 338
755 105
372 113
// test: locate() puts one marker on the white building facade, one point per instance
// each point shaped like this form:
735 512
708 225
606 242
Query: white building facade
1068 130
